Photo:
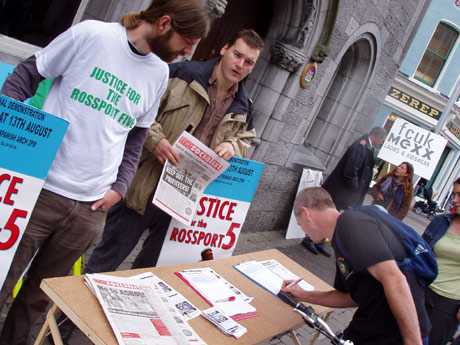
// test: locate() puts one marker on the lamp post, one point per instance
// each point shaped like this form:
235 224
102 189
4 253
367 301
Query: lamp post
448 108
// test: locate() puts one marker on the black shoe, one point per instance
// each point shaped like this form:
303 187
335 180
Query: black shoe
309 245
320 248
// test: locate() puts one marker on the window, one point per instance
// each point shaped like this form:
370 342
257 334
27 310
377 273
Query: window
436 54
36 22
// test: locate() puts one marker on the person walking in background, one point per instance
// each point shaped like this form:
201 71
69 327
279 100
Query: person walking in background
349 181
99 153
443 295
394 191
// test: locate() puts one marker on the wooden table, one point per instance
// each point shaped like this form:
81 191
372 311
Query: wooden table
73 298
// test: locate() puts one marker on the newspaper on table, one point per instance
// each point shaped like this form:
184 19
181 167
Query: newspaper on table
270 274
180 186
137 314
218 292
173 298
223 322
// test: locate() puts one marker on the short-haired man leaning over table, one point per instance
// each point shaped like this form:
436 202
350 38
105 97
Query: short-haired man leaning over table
391 308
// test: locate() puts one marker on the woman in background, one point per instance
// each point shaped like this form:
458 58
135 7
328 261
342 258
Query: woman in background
443 295
394 191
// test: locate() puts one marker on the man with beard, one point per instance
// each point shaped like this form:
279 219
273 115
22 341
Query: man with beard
208 100
121 67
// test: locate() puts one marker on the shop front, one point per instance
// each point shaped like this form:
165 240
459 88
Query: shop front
421 107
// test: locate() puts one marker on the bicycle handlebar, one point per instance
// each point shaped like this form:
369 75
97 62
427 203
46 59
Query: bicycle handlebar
313 320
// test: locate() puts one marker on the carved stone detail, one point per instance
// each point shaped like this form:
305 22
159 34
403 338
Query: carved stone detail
307 22
287 56
216 8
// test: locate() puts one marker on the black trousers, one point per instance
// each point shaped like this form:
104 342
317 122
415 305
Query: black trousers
443 316
122 232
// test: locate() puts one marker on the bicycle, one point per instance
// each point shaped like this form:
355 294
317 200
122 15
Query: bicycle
313 320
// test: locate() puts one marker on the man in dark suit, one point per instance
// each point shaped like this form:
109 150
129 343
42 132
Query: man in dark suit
349 182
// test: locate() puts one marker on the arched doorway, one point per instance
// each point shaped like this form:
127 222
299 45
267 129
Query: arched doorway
239 14
326 138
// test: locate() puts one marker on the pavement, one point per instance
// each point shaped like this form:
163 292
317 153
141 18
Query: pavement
319 265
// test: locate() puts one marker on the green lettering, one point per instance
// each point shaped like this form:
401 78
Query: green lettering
137 99
95 103
82 96
74 94
102 105
106 77
88 100
108 109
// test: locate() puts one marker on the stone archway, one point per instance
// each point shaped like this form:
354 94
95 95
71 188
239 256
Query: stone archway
326 138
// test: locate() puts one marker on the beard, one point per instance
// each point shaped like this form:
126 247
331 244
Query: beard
160 46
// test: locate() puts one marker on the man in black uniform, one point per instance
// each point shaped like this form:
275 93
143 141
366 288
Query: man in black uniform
390 303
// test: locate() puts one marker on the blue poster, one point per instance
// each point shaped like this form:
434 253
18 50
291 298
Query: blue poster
29 140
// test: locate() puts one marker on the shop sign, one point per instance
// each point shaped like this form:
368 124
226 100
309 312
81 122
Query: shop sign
407 142
415 103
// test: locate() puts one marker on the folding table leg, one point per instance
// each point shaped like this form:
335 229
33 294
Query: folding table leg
50 325
295 338
325 318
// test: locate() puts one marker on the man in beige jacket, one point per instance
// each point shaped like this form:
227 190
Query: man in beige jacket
206 99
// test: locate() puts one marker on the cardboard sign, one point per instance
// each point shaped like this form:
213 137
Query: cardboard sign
219 218
309 178
29 140
407 142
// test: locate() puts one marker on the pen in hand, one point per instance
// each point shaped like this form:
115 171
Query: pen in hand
294 282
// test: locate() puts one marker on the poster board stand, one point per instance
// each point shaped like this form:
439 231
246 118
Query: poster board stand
309 178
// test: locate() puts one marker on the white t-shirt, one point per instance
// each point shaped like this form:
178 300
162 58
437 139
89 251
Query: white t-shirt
103 89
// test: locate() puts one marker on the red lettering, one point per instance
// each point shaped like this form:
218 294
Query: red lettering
207 239
221 237
221 212
231 235
214 240
189 234
201 206
212 201
181 236
200 237
195 236
12 190
4 177
216 208
174 234
13 228
231 210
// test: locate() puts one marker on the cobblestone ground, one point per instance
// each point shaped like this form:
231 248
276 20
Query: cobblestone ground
317 264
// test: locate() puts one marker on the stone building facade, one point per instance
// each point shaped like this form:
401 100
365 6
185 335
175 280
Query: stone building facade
357 46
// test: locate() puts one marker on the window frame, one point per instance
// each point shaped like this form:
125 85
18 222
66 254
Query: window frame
446 61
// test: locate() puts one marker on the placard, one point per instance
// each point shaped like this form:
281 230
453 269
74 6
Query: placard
29 140
309 178
220 215
407 142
